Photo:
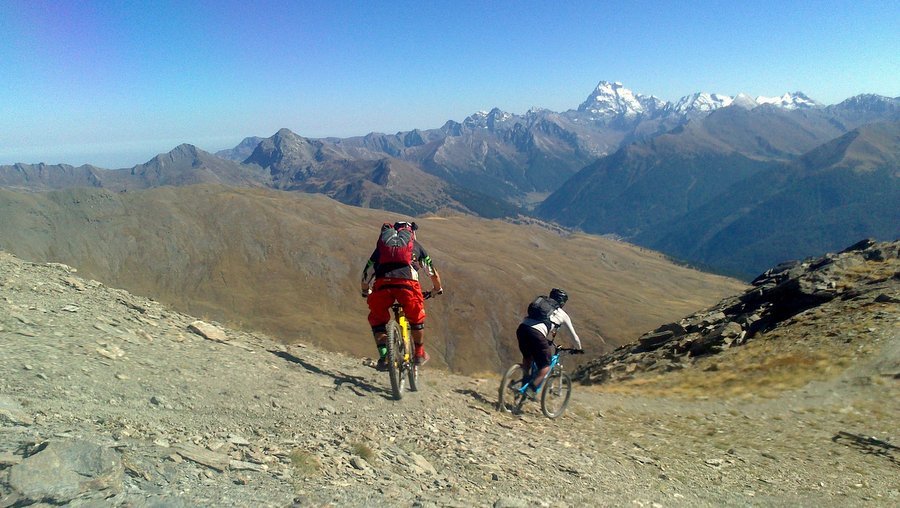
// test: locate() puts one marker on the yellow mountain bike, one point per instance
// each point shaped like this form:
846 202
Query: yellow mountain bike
401 366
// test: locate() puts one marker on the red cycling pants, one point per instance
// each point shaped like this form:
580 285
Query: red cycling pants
405 291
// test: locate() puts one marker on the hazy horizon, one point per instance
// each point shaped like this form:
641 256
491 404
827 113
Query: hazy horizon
113 85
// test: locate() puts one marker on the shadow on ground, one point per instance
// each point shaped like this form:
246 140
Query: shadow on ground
357 384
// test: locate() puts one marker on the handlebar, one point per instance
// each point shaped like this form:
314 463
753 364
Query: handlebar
425 294
570 350
431 294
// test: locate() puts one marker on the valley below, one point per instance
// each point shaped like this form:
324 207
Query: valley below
289 264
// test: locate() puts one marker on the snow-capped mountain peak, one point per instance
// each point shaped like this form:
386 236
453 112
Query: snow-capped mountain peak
612 99
743 100
796 100
488 119
701 103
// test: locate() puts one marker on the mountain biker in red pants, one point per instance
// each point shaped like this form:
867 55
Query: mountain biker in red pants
395 265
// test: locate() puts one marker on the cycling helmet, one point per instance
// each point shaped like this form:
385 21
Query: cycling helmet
559 295
401 224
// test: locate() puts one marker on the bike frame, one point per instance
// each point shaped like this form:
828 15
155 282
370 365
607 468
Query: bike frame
554 360
401 320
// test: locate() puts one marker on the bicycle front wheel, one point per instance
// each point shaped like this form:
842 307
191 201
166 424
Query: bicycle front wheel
555 393
509 399
395 359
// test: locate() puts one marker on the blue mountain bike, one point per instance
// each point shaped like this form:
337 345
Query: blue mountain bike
554 391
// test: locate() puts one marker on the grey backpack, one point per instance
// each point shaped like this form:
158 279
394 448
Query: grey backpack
541 309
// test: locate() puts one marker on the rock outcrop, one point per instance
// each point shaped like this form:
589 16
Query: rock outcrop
867 270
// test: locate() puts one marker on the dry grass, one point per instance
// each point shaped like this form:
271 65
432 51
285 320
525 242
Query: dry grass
305 463
869 271
363 451
762 368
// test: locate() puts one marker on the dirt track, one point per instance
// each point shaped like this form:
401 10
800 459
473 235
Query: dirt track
246 422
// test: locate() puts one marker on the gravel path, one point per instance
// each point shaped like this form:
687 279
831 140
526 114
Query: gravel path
120 390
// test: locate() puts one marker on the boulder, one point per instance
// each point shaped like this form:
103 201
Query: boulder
61 471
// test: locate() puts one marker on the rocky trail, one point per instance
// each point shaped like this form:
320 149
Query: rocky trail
111 399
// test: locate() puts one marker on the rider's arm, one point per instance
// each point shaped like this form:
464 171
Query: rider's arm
436 282
567 322
426 264
366 276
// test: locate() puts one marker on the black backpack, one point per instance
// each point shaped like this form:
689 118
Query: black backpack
541 308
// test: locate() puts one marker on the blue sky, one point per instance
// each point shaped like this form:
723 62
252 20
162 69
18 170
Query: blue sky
115 83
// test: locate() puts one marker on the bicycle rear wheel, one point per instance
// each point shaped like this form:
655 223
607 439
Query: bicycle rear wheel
509 399
395 359
555 393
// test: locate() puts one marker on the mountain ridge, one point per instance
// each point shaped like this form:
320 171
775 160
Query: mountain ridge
677 157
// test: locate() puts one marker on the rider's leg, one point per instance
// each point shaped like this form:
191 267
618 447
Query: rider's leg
530 345
380 334
379 314
380 338
542 356
418 336
542 373
414 307
522 339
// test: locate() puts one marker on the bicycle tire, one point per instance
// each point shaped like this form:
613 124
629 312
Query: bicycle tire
555 393
509 400
395 358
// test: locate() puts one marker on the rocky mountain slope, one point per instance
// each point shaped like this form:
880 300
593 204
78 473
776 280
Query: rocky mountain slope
289 264
846 189
836 290
701 194
379 181
112 399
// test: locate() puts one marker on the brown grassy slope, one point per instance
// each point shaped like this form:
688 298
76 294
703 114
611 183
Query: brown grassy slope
288 264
